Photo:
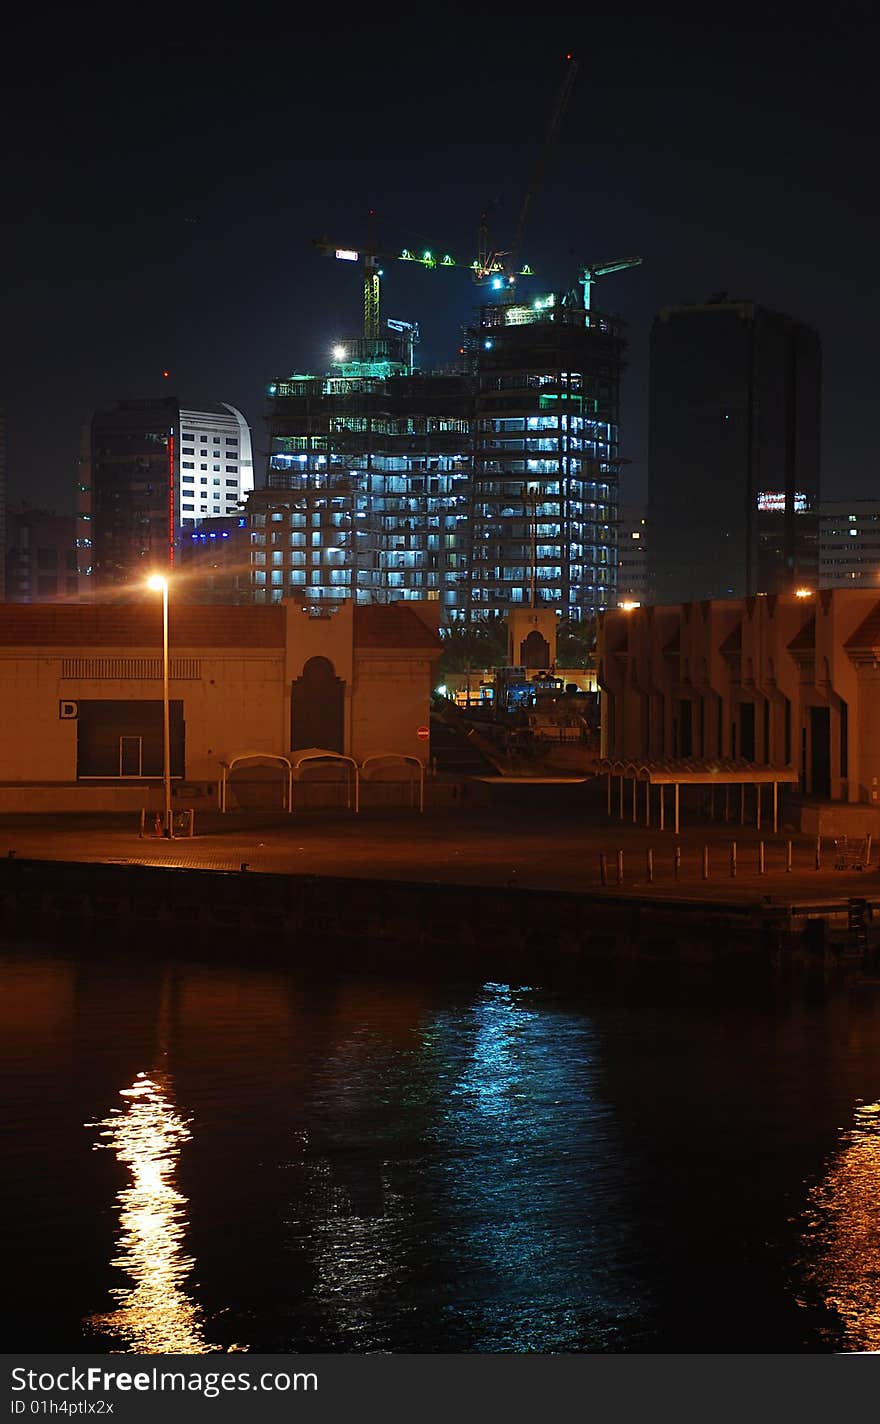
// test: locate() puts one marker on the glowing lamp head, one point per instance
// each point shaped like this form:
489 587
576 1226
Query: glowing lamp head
803 593
157 583
628 605
339 353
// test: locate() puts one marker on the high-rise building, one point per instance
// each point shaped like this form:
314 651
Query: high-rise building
154 470
733 488
849 543
488 486
366 487
543 500
41 562
632 556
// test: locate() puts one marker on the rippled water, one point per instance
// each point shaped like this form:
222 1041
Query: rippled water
206 1158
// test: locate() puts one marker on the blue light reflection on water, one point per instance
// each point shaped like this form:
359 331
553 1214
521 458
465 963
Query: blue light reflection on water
367 1165
536 1179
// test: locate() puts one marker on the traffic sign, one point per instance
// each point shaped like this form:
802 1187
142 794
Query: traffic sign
424 733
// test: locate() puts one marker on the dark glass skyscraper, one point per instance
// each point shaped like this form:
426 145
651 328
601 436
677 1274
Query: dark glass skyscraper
734 452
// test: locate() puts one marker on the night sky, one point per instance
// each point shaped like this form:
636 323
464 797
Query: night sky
164 177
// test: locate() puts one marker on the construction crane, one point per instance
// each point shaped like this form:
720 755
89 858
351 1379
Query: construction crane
591 270
499 267
370 258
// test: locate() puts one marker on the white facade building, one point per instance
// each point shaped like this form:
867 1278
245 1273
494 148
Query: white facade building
216 463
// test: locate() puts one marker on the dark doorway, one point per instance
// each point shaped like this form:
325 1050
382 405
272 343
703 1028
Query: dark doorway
820 751
685 728
127 739
747 730
534 651
317 708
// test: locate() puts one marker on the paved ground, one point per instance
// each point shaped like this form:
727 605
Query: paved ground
545 846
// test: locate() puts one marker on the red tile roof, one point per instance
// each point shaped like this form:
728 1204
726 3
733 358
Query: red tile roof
139 625
391 625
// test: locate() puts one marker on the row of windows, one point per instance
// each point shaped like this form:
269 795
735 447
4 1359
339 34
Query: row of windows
190 435
189 465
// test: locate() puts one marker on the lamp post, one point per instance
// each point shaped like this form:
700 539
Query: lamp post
159 584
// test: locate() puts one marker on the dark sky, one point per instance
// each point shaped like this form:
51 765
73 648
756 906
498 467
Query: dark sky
164 179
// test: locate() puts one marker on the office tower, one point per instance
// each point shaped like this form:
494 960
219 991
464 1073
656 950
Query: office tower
543 503
632 556
155 470
849 543
40 555
733 452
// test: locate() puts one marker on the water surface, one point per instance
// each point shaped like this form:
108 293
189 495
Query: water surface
203 1157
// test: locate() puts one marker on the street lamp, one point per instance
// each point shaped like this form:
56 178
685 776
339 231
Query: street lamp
159 584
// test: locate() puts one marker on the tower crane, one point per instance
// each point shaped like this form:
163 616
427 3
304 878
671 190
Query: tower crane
370 258
500 266
591 270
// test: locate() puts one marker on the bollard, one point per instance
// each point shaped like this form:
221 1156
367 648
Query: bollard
760 857
603 867
788 855
818 852
649 865
676 864
733 860
705 862
620 867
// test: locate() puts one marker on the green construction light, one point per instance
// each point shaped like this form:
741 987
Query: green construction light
447 261
406 255
526 271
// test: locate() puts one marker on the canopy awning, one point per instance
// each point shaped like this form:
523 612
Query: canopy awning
685 771
233 759
372 763
298 759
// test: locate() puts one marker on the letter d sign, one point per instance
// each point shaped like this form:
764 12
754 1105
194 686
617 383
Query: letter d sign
68 711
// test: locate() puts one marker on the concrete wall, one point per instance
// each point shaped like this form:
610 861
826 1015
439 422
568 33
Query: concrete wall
235 699
764 652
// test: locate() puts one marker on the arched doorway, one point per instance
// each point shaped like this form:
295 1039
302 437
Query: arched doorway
317 708
534 651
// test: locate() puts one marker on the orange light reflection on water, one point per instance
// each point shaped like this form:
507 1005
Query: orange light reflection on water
844 1232
154 1315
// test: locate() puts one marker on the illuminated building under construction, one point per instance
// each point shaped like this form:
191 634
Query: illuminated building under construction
489 488
367 485
542 507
